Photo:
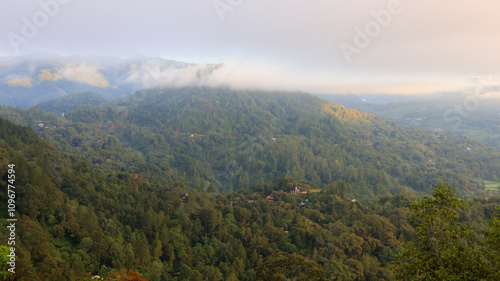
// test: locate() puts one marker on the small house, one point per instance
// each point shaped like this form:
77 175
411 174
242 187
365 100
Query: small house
301 189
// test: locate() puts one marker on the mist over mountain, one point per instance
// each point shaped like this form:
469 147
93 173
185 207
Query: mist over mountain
472 114
354 100
31 79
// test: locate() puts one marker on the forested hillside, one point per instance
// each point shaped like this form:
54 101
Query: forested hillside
76 220
224 140
69 102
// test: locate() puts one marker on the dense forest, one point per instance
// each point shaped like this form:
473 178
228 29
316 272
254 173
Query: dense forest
195 184
223 140
77 221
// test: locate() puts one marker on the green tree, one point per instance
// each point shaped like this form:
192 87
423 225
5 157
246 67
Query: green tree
493 250
4 259
290 267
127 275
442 249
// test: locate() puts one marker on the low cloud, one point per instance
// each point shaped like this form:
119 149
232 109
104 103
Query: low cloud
247 76
235 75
84 73
154 74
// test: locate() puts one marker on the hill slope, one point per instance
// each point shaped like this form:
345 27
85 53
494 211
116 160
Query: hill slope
71 101
218 139
75 221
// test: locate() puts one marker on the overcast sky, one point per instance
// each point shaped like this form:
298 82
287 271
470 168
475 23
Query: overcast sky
328 46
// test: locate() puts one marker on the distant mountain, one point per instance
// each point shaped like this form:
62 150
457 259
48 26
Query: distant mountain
31 79
355 99
473 116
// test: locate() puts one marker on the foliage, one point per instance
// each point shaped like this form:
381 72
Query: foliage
71 101
127 275
4 260
77 220
147 197
443 248
290 267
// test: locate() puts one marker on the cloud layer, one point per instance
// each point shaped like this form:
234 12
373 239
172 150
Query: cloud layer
425 46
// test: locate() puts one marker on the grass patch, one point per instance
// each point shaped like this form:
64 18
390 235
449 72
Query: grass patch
491 186
312 190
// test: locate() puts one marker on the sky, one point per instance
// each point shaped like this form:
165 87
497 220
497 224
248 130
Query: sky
322 46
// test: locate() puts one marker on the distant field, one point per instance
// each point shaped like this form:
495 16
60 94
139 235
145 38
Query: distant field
491 186
312 190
